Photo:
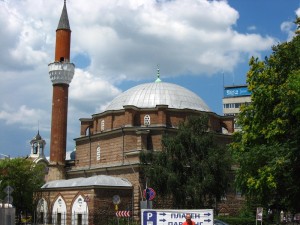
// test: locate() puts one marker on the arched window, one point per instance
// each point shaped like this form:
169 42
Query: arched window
147 120
98 153
102 125
35 148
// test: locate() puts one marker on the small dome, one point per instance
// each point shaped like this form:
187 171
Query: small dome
73 155
150 95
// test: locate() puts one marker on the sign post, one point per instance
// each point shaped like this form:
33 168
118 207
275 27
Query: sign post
8 199
116 200
149 194
259 215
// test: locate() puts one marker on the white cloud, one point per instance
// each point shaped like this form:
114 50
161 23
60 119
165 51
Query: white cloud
289 28
298 12
129 39
24 115
121 40
251 28
88 92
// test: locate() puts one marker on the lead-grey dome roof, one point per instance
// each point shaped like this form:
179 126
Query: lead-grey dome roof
100 180
159 93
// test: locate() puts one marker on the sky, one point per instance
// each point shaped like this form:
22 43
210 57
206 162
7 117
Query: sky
201 45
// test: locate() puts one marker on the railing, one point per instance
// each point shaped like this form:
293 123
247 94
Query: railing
100 218
60 219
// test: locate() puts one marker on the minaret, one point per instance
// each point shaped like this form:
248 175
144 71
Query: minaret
61 72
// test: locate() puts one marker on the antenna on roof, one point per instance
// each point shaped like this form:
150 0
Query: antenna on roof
223 78
223 82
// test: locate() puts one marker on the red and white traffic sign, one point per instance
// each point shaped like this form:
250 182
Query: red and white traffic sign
150 195
123 213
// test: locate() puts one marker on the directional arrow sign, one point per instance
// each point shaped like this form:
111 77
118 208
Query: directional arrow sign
123 213
176 217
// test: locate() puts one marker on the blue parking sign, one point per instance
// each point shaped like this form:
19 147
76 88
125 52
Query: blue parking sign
149 217
176 216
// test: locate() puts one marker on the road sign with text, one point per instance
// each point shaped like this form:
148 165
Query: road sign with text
176 217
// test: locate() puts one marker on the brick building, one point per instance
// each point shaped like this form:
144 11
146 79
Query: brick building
105 165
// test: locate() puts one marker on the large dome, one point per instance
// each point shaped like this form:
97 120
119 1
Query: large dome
159 93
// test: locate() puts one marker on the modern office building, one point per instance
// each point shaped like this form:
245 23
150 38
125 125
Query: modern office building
234 97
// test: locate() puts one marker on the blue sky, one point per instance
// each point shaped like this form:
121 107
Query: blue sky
198 44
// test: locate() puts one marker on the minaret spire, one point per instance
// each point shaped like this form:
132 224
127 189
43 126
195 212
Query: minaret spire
158 75
61 73
64 20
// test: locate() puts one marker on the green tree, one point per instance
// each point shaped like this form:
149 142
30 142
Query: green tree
267 149
25 177
191 168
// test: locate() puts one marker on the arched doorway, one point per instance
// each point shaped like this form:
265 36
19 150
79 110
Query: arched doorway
80 211
59 212
42 212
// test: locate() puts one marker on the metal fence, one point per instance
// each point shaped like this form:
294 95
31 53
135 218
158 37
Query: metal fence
79 219
61 219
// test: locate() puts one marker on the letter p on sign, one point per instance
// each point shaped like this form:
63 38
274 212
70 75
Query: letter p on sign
149 218
149 215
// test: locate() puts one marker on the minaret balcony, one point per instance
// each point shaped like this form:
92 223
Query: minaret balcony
61 72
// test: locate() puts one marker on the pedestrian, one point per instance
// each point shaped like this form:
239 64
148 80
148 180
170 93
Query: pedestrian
188 220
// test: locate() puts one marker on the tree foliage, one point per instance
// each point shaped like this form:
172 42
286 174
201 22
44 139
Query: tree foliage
24 177
267 149
191 168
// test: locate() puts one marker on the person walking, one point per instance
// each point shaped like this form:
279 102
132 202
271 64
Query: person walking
188 220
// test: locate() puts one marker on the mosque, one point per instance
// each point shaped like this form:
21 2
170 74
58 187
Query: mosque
104 175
